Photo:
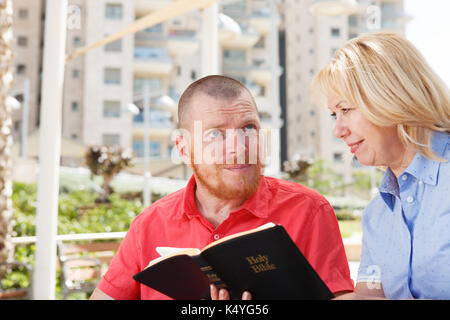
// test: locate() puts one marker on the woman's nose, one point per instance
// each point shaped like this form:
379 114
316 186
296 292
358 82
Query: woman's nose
341 129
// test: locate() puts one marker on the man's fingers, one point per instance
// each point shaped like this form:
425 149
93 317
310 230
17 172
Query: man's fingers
213 292
224 295
246 295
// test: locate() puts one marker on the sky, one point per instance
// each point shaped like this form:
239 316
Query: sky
429 31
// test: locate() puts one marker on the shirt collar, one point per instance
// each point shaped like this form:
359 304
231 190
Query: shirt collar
425 169
389 188
421 168
257 204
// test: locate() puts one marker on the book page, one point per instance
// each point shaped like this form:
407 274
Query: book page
168 252
175 252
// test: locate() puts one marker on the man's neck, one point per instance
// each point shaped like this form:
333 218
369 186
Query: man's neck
214 209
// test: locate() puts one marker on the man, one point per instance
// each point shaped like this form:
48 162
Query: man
227 194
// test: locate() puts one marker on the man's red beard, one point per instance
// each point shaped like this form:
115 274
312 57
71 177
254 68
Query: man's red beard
211 177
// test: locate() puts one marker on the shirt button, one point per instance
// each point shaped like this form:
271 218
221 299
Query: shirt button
420 182
404 177
216 237
410 199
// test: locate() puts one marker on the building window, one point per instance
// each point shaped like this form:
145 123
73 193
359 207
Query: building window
76 41
234 57
111 139
193 75
335 32
115 46
75 106
353 21
111 109
22 41
154 84
138 148
156 29
312 133
75 73
155 148
21 68
112 76
338 157
23 13
113 11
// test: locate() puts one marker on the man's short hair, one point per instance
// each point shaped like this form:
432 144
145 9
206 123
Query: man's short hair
216 86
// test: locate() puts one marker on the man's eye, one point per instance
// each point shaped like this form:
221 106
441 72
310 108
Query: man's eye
249 128
213 135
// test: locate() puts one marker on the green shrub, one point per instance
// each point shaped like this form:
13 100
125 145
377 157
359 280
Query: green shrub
72 218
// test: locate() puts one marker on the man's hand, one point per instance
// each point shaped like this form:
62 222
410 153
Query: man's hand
223 294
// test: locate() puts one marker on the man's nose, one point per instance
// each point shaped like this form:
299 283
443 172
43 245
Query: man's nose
341 129
236 150
235 142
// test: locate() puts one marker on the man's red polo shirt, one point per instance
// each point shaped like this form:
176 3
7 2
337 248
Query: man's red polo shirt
175 221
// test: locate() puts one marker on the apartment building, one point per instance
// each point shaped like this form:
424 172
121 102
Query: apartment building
27 61
311 41
99 85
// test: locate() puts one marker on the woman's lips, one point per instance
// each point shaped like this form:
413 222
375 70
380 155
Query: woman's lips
355 146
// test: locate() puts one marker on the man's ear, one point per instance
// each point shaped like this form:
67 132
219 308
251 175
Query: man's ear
182 142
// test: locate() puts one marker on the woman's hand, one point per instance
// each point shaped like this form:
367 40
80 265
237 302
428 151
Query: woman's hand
223 294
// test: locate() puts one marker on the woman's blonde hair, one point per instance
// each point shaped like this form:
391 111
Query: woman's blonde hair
388 78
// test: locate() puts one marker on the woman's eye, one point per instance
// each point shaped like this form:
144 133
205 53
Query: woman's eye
345 110
333 115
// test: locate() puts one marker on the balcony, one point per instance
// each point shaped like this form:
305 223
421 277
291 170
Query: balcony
182 42
178 41
150 61
260 21
245 40
143 7
257 73
160 124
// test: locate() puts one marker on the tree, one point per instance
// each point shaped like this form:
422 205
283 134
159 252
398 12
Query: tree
6 80
107 161
314 173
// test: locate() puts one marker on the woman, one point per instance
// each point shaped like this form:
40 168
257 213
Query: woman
393 111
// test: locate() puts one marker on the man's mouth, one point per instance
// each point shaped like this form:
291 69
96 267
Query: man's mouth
237 167
355 146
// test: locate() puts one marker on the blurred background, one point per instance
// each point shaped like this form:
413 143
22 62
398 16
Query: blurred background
119 106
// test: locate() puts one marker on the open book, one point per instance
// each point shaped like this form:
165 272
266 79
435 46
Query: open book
264 261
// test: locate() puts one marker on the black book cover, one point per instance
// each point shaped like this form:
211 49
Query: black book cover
267 263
